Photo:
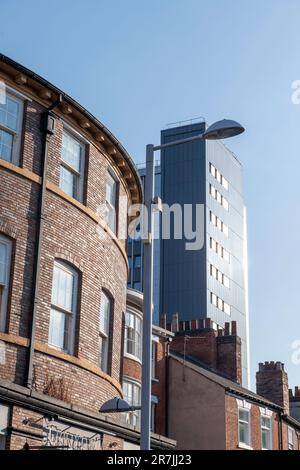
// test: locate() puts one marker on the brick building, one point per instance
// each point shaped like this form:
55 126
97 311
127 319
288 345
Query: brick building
132 365
65 185
294 397
207 406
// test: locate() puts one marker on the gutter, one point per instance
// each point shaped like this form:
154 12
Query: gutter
280 435
167 388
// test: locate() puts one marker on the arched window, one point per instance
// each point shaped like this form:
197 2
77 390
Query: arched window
105 315
63 307
5 262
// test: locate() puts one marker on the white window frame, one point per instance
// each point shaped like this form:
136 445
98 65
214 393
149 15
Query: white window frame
154 402
112 208
5 287
138 337
70 316
104 334
245 445
79 175
133 417
16 134
4 419
291 436
265 428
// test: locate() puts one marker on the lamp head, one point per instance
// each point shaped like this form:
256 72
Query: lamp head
223 129
117 405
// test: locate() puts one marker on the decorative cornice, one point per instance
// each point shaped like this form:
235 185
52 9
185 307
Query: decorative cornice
29 82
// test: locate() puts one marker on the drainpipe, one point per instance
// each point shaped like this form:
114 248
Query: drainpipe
280 431
48 128
167 387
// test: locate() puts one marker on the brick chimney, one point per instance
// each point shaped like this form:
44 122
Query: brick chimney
272 384
295 403
218 348
229 356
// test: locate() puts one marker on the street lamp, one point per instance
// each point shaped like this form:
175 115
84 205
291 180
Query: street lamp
117 405
219 130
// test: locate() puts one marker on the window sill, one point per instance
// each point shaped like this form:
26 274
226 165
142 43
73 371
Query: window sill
61 350
244 446
132 357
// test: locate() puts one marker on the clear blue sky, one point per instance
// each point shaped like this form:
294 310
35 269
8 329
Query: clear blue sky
139 64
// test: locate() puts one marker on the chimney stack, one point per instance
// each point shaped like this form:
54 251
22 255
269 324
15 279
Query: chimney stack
229 356
218 348
295 403
272 383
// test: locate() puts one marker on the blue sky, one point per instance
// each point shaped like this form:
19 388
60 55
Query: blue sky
139 64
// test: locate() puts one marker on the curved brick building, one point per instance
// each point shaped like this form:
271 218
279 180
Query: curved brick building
65 185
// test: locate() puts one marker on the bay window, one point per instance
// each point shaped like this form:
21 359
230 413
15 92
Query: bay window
132 394
63 307
5 262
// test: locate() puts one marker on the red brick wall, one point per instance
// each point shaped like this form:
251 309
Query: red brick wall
159 387
18 207
69 234
272 383
219 350
200 344
132 369
229 359
231 416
